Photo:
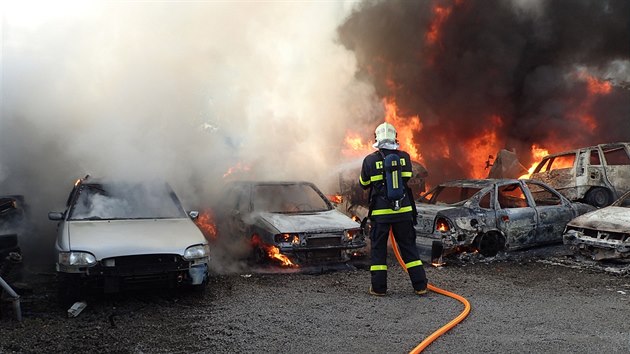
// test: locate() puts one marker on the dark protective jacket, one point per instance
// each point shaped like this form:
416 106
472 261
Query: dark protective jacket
372 176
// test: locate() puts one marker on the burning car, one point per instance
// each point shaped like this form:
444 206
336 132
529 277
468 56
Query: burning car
491 215
596 174
116 235
604 233
290 221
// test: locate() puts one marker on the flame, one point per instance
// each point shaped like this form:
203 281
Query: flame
406 128
482 146
337 198
239 167
355 146
272 252
440 13
205 222
595 85
537 154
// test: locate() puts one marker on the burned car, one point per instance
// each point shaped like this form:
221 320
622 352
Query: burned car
122 235
12 219
491 215
292 218
596 175
602 234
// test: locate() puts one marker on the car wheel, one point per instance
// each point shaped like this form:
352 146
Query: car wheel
599 197
490 244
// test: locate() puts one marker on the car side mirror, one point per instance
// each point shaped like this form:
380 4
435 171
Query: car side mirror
194 214
55 216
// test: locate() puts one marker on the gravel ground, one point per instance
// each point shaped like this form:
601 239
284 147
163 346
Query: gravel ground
519 304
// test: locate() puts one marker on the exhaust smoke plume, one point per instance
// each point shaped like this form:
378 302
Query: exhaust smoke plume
483 75
183 91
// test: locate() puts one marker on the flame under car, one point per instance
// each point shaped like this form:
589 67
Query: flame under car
294 217
603 233
119 235
492 215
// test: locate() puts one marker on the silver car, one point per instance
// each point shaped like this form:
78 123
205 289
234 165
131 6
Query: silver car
293 217
116 235
491 215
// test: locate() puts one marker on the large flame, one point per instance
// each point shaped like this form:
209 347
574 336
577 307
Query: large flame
406 127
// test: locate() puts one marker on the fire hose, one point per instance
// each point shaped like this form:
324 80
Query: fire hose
447 327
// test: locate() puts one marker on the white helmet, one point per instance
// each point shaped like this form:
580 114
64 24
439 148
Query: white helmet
385 132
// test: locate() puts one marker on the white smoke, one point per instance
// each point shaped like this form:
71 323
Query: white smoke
178 90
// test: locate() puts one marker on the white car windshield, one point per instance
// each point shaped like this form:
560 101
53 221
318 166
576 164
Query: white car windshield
288 198
116 201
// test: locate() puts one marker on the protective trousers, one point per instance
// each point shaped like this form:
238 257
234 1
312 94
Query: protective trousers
405 237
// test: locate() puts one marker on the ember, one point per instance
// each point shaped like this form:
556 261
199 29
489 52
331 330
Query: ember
273 253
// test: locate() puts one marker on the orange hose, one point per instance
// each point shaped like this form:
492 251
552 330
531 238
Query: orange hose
447 327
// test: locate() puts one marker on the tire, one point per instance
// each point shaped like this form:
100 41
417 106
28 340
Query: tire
490 244
599 197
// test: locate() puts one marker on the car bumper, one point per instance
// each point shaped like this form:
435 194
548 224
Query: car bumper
114 274
596 248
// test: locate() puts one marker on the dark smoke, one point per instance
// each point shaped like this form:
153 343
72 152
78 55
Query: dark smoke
519 60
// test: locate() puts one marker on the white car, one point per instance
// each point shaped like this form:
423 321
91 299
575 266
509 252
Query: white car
118 235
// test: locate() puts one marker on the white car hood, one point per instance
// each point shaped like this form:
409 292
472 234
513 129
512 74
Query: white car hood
310 222
114 238
611 219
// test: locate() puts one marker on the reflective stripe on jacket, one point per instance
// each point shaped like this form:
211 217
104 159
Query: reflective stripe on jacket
372 177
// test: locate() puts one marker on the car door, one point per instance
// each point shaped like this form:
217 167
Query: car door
552 210
516 217
617 166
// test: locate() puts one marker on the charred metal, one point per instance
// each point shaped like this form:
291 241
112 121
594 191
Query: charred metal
492 215
602 234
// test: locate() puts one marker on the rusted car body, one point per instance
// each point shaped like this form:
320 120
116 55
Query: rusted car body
491 215
293 216
602 234
596 175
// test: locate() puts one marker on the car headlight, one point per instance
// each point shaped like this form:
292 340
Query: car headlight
77 259
442 225
293 239
197 251
349 235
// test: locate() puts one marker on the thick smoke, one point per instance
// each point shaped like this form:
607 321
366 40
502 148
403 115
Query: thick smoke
516 68
176 90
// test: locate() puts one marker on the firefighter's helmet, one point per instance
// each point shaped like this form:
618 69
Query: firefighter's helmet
385 132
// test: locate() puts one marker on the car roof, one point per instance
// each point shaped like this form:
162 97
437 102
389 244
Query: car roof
477 183
572 151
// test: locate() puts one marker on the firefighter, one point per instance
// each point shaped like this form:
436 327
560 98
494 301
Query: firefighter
384 216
